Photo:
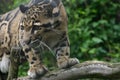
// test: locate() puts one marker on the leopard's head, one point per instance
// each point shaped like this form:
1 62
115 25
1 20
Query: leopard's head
39 18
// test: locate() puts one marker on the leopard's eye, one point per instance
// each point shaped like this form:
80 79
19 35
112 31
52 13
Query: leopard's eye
47 25
35 27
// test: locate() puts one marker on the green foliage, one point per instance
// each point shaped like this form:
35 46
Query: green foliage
7 5
23 69
94 30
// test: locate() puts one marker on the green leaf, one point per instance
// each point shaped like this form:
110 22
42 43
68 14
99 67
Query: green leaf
97 40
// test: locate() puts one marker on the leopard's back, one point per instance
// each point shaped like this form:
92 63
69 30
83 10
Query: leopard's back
9 26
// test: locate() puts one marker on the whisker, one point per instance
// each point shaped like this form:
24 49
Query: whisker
47 47
57 31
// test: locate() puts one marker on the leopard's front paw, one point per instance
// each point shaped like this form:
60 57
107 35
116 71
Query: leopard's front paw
37 71
68 63
73 61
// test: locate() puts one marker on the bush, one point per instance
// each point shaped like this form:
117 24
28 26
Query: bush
94 29
7 5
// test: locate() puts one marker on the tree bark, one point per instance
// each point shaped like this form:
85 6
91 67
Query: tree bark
88 69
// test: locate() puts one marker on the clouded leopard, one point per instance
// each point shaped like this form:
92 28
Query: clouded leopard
38 24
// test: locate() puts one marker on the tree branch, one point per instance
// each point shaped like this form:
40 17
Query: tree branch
88 69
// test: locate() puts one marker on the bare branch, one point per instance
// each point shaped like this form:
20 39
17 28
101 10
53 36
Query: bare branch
88 69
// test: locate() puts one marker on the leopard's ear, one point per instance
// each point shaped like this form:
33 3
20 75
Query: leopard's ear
23 8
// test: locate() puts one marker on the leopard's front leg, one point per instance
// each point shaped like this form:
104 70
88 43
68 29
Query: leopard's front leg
63 54
36 69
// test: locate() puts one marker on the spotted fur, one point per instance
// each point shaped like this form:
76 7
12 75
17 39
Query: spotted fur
40 25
